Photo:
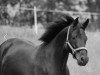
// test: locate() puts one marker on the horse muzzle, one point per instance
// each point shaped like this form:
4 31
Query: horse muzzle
82 60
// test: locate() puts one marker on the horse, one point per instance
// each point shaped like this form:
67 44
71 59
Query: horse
63 36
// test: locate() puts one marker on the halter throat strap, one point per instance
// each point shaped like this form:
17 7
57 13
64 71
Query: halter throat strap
68 43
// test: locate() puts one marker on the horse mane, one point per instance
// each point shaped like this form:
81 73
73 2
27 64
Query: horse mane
55 27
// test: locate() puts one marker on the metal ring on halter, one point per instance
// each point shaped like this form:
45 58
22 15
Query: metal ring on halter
73 50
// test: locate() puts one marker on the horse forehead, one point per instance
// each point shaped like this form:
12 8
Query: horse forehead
79 32
82 32
80 24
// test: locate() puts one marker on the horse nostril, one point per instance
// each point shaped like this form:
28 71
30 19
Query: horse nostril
82 58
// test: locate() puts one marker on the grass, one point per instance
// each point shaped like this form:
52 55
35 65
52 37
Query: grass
7 32
93 46
93 66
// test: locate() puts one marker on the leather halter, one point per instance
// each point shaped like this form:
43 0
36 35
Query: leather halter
68 43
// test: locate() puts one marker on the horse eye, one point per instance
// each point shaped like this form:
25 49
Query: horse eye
73 38
85 40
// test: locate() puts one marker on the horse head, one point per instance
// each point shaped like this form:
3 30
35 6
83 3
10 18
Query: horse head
76 40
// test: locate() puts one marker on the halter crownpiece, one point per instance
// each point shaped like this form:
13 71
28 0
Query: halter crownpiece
67 42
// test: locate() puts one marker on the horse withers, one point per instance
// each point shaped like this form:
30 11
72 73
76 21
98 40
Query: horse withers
64 36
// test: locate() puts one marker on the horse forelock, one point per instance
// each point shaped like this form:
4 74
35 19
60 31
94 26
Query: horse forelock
55 27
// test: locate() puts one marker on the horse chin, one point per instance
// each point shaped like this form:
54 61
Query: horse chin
81 64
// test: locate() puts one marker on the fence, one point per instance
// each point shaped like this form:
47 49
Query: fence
72 13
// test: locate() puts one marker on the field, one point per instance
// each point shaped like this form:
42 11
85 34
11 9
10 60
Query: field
93 46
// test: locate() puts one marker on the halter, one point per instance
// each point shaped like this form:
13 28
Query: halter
73 49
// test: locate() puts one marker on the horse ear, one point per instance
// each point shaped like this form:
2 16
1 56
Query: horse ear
85 24
75 22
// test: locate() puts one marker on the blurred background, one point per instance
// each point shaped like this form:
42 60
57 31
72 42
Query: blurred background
27 19
21 12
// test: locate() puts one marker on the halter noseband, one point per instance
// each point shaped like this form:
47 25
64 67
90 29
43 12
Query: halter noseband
73 50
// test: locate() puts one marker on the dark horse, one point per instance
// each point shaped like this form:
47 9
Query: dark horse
64 36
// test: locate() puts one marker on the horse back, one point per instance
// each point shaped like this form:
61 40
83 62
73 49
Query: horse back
15 51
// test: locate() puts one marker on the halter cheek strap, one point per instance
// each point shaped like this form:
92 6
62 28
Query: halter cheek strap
68 43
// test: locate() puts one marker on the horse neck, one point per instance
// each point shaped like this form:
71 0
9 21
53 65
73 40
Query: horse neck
60 54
